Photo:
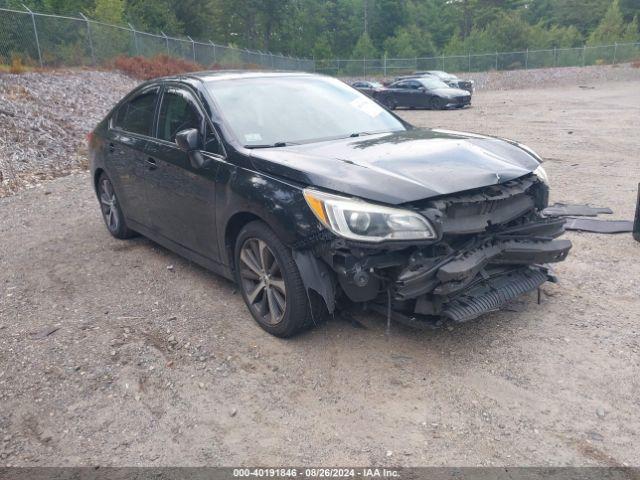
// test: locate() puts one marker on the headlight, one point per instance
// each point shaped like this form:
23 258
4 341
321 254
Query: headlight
366 222
542 175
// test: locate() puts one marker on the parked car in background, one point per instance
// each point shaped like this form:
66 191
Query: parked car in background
448 78
367 87
310 195
423 92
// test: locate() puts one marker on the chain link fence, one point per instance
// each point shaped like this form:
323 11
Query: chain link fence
45 40
482 62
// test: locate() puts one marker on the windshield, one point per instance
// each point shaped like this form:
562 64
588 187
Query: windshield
443 75
433 83
274 111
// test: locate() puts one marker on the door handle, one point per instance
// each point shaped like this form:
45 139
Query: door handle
152 163
112 147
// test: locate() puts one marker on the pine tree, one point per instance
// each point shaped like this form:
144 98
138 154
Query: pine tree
364 47
611 28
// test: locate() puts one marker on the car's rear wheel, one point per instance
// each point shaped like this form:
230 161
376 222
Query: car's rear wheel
111 210
270 282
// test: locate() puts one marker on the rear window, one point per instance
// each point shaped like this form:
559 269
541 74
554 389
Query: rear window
136 116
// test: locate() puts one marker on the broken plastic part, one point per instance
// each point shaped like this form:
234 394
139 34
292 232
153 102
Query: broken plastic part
563 209
316 276
595 225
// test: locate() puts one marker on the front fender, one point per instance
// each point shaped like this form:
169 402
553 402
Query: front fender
277 202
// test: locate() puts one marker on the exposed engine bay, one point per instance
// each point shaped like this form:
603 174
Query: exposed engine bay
492 245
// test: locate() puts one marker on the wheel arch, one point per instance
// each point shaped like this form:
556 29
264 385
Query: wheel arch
232 229
96 176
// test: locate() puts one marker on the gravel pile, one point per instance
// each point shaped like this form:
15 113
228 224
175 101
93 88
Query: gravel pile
44 119
549 77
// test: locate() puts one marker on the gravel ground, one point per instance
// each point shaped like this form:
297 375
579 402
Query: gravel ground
120 352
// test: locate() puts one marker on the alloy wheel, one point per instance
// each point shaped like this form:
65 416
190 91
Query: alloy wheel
262 281
108 204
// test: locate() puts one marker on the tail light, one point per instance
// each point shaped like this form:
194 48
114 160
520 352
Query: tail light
89 138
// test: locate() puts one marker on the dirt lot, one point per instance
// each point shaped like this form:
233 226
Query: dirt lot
157 362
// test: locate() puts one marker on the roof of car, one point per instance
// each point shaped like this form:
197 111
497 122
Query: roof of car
212 75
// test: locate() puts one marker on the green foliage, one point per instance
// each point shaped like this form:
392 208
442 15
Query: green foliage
632 31
409 42
335 28
364 48
611 28
153 16
109 11
322 48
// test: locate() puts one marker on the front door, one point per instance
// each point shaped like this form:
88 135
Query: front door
182 197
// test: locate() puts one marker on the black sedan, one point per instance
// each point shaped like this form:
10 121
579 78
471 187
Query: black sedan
450 79
423 92
369 88
312 197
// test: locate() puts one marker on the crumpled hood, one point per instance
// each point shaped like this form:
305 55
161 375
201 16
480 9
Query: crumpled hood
399 167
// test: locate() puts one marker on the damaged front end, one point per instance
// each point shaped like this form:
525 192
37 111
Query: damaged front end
489 246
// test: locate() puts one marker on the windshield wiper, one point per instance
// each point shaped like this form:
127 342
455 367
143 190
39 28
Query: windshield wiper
360 134
272 145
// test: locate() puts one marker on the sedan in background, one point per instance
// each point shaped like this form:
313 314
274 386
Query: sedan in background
423 92
450 79
368 88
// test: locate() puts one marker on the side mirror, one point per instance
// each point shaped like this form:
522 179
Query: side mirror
188 140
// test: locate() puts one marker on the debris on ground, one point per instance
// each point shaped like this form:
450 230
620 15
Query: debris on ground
595 225
563 209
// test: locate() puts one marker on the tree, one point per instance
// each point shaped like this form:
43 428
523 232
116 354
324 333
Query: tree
582 14
153 16
109 11
364 48
386 16
611 28
409 42
632 31
322 48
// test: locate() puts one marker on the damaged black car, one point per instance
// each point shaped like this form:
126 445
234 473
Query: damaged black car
313 197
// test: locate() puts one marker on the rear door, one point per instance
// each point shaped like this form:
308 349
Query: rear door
182 197
130 129
402 93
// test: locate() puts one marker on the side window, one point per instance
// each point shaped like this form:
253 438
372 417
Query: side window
414 85
177 113
403 85
136 115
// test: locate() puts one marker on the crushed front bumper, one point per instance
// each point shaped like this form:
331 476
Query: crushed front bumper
493 245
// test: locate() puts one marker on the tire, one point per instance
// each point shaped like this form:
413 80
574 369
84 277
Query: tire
391 103
270 283
439 103
111 210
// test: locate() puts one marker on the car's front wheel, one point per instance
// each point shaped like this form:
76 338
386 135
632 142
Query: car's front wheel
270 282
111 210
439 103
